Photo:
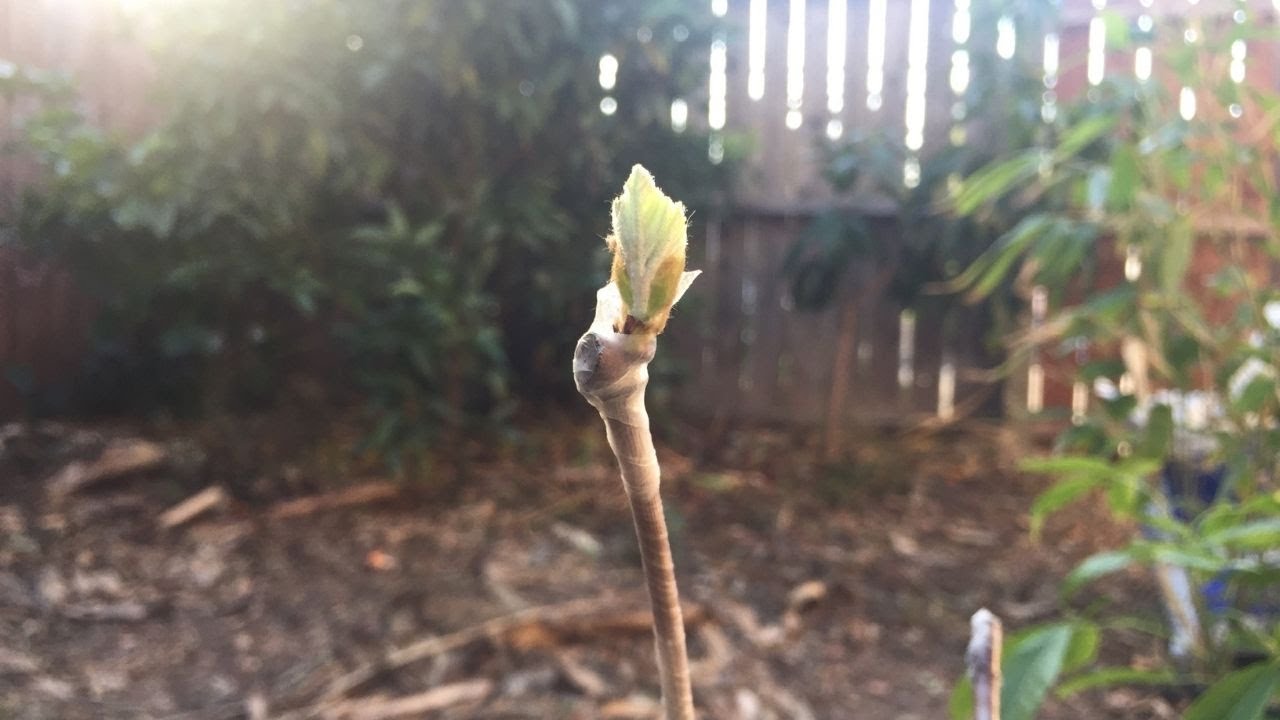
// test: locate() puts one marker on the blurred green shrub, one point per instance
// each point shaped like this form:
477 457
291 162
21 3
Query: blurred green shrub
1154 226
424 182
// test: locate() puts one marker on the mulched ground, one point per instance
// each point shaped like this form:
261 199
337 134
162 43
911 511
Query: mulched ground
815 592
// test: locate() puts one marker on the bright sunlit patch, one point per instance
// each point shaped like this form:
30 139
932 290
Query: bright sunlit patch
1097 60
1035 373
917 73
608 105
132 7
959 71
794 119
1187 103
1035 388
1142 63
795 58
1145 23
837 33
1052 49
608 71
877 16
1006 38
719 8
906 349
947 390
757 22
679 115
961 23
1132 264
835 129
1238 51
1079 402
717 85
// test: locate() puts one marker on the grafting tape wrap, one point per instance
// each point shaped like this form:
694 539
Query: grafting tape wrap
611 371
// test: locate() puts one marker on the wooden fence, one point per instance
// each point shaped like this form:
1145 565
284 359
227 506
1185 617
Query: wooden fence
44 320
859 64
783 72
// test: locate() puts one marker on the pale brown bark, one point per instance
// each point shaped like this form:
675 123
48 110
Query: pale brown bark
611 371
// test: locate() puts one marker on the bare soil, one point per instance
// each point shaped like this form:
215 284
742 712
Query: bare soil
816 592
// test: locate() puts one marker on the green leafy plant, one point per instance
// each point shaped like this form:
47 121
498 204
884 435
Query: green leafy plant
1155 237
416 175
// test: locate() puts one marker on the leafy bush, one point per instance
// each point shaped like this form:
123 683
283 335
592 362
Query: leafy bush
1184 345
424 176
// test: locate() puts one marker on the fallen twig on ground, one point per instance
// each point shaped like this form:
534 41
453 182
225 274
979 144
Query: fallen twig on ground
543 625
119 458
438 698
585 679
125 611
362 494
193 507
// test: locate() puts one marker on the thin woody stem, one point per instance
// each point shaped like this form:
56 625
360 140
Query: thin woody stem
612 373
633 445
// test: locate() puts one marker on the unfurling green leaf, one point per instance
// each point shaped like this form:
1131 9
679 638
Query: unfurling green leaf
648 244
1242 695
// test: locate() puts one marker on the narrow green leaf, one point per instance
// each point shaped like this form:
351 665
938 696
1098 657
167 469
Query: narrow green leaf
1125 178
1081 135
1031 666
1188 557
1094 567
1111 676
1083 649
1256 535
1241 695
994 181
985 274
1255 394
1059 496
